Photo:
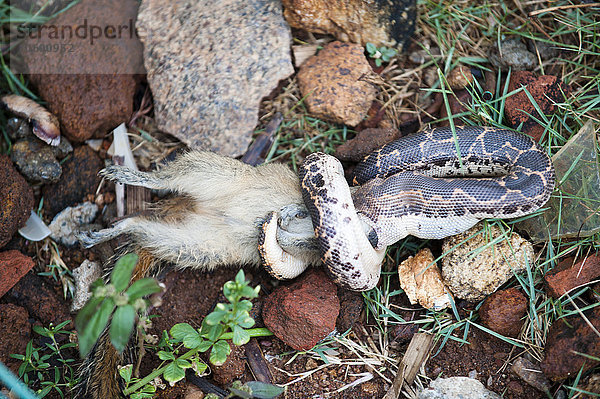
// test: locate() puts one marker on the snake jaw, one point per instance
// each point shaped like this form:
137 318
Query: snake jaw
278 263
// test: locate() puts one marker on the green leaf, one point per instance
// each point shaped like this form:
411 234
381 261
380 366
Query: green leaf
184 364
181 331
215 317
97 283
249 292
85 314
212 333
195 342
173 373
371 48
163 355
121 274
125 372
219 352
88 335
240 278
240 336
378 62
263 390
245 322
244 306
142 287
121 326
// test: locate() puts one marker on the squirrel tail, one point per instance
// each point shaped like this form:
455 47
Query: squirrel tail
99 373
99 376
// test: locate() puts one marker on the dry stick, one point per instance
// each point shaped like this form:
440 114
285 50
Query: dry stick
534 13
416 354
256 361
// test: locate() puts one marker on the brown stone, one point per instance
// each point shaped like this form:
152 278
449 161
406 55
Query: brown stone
334 84
304 312
545 90
13 266
79 178
16 200
389 23
568 341
365 142
90 89
460 77
351 305
503 311
16 332
233 368
41 300
458 103
568 275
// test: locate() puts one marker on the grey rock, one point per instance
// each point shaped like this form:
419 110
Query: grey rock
532 374
63 149
512 54
84 276
18 128
36 160
456 388
67 223
209 65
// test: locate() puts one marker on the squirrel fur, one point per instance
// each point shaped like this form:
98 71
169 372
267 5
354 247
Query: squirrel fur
213 220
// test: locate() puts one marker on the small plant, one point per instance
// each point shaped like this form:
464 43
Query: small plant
48 366
230 321
119 299
381 54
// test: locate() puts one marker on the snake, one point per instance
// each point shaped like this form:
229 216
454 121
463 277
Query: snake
432 184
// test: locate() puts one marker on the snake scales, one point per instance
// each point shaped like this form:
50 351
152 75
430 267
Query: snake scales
432 184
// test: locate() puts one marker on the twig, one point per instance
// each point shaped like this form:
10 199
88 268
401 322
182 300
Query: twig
566 7
416 354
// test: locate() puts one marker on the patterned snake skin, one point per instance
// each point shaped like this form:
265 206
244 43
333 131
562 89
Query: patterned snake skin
431 184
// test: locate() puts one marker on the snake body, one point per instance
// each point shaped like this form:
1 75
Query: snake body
431 184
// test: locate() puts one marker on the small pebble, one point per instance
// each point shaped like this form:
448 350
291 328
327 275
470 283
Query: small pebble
67 223
84 276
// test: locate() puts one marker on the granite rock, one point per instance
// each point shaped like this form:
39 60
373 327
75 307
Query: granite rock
84 276
16 200
334 86
531 374
456 388
209 74
381 22
472 272
512 54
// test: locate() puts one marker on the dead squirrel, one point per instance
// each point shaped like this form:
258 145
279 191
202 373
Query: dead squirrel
213 220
